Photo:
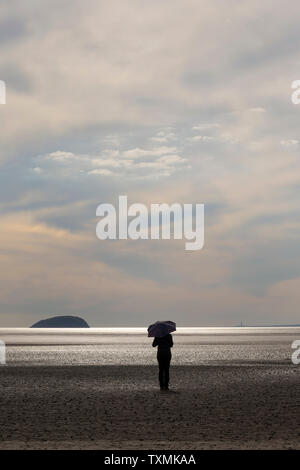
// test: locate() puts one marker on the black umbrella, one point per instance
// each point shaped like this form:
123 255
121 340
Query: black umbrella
161 328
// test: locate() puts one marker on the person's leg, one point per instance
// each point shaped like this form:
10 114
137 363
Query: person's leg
164 364
167 375
165 372
160 373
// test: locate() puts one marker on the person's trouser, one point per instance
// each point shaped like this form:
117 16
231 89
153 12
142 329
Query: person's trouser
164 366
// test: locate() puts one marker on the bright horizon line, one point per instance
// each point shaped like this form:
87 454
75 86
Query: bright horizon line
140 328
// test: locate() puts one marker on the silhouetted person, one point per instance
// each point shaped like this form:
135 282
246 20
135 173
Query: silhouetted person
164 345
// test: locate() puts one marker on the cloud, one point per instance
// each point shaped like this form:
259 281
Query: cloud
204 138
257 110
102 172
12 29
142 153
204 127
164 136
289 143
61 156
37 169
111 162
146 100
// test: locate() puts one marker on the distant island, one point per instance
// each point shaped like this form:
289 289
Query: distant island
66 321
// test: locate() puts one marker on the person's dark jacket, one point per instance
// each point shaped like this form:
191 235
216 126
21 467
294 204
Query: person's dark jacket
163 344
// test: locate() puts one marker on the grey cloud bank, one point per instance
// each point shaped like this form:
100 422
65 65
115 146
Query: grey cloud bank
164 102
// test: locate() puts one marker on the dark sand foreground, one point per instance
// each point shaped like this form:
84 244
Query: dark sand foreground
225 406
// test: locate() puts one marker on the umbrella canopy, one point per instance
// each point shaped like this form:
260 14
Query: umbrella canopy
161 328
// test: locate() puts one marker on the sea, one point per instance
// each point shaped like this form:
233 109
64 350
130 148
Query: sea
131 346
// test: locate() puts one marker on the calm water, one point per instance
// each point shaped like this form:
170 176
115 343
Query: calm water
125 346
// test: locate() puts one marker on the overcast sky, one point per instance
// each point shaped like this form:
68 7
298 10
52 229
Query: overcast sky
165 101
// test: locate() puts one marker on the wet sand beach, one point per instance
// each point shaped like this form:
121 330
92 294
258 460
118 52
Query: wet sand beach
244 400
